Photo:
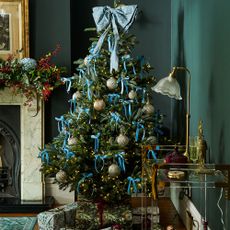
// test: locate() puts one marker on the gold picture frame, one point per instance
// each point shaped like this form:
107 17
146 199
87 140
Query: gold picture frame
14 28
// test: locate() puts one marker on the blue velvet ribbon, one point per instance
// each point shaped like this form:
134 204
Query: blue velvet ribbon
152 154
73 105
96 141
44 155
132 183
85 176
138 129
97 160
113 97
88 84
124 84
61 122
121 161
68 153
68 82
115 117
81 110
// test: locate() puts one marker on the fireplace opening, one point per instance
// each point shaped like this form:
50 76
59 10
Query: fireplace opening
10 156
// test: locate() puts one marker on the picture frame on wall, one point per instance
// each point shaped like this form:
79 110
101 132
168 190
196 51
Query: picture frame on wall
14 28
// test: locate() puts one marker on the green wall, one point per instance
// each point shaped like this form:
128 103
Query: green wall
201 42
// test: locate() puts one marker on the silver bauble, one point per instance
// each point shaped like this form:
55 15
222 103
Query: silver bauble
114 170
61 176
111 83
132 94
122 140
72 141
77 95
99 104
148 108
152 140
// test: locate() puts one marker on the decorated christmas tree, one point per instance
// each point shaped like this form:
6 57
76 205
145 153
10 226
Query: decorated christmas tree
98 150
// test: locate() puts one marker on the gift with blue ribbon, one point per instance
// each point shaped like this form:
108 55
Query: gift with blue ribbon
133 184
119 19
82 180
96 141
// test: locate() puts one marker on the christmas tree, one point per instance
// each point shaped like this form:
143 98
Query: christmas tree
98 150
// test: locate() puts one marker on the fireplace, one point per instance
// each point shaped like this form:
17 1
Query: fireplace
20 175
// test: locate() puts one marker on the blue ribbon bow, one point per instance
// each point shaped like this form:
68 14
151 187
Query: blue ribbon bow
81 110
121 161
61 122
115 117
113 97
138 129
132 182
153 154
73 105
68 82
44 155
96 141
97 160
124 84
107 17
129 104
85 176
68 153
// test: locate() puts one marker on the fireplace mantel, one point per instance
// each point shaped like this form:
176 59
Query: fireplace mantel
32 138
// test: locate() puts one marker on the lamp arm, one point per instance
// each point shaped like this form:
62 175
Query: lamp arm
188 109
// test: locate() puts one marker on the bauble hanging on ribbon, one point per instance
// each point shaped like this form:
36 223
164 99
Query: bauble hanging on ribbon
122 140
148 108
99 104
72 141
114 170
61 176
111 83
77 95
152 140
132 95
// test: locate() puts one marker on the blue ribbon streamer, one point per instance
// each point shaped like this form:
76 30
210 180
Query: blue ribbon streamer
96 141
44 155
132 182
81 74
129 104
88 84
81 110
113 97
121 161
124 84
138 129
99 158
68 82
85 176
115 117
68 153
152 154
73 105
67 136
61 122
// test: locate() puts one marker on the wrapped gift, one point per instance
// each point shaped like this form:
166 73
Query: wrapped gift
58 218
95 216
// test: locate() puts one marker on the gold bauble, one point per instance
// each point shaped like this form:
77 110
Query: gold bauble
114 170
132 94
72 141
99 104
122 140
61 176
148 108
111 83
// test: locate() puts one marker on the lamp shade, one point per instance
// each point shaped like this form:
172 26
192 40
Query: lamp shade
168 86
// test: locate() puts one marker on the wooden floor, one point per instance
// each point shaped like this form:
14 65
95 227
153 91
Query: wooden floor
168 215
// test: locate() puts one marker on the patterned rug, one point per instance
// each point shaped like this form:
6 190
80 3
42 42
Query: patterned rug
17 223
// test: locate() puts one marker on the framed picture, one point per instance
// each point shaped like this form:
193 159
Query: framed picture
14 28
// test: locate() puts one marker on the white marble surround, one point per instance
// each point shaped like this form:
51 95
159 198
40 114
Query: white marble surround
32 138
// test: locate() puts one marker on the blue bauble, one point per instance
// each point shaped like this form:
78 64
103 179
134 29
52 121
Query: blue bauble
28 64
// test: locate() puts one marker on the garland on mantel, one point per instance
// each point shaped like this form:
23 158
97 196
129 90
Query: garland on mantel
31 78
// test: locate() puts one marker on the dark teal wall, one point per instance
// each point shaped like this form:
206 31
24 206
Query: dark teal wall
200 41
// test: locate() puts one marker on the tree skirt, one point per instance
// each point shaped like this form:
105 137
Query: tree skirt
17 223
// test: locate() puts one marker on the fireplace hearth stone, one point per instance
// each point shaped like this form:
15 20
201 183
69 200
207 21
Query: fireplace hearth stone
16 205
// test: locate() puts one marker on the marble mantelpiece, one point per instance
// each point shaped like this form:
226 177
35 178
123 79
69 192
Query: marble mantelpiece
32 138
